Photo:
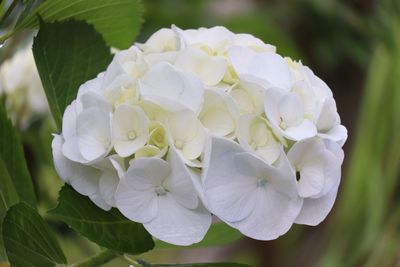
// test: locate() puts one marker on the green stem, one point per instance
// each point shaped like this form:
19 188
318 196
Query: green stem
8 11
97 260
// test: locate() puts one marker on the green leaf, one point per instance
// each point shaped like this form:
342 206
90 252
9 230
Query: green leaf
68 54
28 8
218 235
222 264
8 194
28 239
118 21
108 229
13 157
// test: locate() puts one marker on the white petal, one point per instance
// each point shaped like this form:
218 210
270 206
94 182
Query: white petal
93 132
328 116
219 113
107 186
291 110
179 182
226 189
338 134
305 130
315 211
272 68
211 69
312 176
165 82
100 202
69 119
136 196
178 225
84 179
272 216
249 96
240 58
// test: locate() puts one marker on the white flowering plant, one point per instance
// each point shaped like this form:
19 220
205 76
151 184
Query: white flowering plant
195 123
161 140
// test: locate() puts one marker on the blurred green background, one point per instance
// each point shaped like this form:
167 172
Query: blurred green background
355 47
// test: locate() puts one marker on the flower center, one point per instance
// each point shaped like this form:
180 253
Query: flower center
179 144
131 135
161 191
298 175
261 182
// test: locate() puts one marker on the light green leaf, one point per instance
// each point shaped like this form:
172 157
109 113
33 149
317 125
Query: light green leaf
68 54
219 234
28 239
13 157
118 21
108 229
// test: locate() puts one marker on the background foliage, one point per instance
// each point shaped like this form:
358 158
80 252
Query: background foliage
354 45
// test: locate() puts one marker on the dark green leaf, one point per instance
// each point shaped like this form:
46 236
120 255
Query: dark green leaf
13 157
118 20
28 239
8 194
108 229
8 197
222 264
68 54
218 235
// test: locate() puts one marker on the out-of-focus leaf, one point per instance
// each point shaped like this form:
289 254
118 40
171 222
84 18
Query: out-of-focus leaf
8 197
109 229
226 264
28 239
219 234
12 154
118 21
28 8
68 54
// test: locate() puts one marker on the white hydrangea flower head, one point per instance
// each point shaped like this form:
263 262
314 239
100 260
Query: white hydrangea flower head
21 86
192 123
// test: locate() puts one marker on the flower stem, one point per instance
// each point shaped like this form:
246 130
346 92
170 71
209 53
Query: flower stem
98 259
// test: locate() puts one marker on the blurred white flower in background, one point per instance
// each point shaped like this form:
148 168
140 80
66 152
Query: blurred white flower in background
22 89
199 122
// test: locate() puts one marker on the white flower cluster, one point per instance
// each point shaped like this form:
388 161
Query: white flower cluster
21 87
200 122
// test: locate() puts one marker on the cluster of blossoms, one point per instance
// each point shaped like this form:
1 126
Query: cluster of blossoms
21 87
199 122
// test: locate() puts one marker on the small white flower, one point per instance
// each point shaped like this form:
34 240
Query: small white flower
219 114
129 129
87 129
20 84
186 134
258 199
286 112
317 164
161 195
255 134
